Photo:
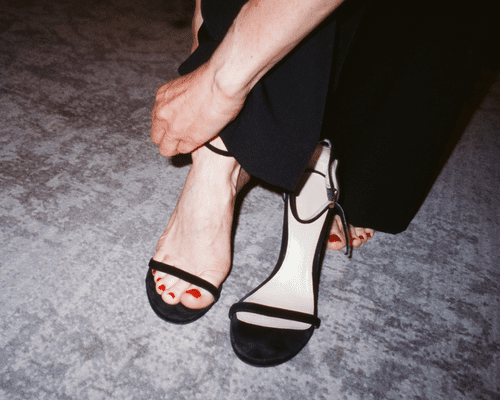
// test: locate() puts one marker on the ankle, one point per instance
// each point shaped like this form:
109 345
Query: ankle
239 177
218 168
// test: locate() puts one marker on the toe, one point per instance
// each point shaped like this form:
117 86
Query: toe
164 286
196 298
174 294
355 240
157 277
336 241
169 297
361 234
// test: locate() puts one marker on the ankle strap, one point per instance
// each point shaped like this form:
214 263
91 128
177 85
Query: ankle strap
332 191
218 151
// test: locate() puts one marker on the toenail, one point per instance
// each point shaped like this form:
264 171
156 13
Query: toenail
158 279
162 287
369 234
173 295
154 271
361 237
334 238
195 292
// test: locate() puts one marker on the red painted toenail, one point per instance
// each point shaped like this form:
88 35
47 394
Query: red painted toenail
154 271
161 287
361 237
369 234
334 238
195 292
158 279
173 295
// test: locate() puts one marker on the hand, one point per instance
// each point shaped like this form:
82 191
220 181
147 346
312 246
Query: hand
191 110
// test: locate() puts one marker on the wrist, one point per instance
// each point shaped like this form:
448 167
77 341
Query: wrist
228 81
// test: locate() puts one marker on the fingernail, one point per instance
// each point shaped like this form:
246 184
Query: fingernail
162 287
195 292
173 295
368 234
158 279
334 238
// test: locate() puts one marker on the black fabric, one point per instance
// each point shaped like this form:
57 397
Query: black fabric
389 108
400 92
268 137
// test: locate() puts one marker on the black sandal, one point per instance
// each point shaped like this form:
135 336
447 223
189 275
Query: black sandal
272 324
179 313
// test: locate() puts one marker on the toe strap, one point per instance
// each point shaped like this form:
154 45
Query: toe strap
186 276
274 312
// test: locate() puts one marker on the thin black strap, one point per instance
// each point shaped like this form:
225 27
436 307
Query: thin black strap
293 203
332 195
347 232
275 312
186 276
218 151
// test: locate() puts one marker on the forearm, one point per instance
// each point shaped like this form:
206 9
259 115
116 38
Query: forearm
196 24
261 35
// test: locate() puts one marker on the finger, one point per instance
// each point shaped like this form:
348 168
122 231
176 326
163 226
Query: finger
158 130
185 146
168 146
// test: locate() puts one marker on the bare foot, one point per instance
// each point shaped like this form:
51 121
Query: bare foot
197 238
337 240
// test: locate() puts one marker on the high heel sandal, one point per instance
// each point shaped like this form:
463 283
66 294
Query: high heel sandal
179 313
272 324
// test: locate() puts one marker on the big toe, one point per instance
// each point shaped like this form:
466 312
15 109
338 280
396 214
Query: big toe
336 241
195 297
174 290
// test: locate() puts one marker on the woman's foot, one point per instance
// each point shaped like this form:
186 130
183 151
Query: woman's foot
337 240
197 238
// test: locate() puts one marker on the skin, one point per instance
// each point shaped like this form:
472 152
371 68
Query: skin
337 240
197 238
192 110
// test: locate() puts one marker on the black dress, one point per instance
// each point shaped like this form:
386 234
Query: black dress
384 80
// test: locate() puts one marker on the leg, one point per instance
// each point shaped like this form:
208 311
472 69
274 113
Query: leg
197 236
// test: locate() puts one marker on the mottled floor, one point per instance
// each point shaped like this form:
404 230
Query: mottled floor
84 196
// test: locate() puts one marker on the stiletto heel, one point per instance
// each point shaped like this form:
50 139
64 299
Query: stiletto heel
272 324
